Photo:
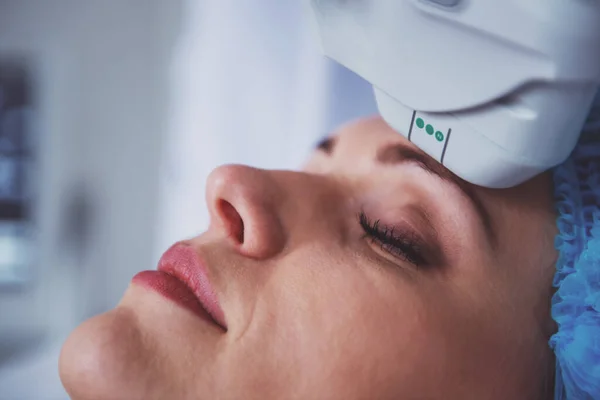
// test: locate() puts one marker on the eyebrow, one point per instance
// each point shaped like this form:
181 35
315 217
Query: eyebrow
399 153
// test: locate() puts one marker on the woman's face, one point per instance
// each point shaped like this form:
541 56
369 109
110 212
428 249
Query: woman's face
372 274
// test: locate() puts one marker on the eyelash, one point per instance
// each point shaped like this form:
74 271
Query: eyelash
391 241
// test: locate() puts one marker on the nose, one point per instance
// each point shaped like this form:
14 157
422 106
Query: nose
243 203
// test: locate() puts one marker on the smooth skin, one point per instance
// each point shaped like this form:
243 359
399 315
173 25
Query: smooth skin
317 309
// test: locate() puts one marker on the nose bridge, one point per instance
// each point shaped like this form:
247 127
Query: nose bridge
315 206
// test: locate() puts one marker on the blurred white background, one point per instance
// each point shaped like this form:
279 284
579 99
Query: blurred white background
128 105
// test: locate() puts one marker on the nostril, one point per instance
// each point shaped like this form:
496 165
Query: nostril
233 221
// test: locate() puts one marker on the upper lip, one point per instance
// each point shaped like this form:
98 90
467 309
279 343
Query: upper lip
182 262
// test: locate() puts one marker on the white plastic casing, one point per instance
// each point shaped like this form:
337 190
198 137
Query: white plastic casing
501 88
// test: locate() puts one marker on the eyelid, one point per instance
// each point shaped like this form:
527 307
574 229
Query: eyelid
402 243
422 223
414 221
478 205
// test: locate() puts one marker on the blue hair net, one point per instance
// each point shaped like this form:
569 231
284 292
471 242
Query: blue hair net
576 303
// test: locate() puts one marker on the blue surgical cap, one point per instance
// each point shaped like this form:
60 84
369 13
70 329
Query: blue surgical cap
576 303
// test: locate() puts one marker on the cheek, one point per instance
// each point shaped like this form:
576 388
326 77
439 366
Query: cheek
333 326
486 328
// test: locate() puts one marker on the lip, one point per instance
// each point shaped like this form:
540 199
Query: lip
181 276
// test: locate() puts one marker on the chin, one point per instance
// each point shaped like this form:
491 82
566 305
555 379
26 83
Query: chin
102 358
114 355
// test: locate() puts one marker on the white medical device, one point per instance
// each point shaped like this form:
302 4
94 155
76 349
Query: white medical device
496 90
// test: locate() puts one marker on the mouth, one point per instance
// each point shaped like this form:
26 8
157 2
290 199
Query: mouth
182 277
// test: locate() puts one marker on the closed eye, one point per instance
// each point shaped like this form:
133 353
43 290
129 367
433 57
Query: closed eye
401 244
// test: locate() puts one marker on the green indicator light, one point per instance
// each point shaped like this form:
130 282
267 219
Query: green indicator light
420 123
439 136
429 129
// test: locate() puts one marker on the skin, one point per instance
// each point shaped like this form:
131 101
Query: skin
316 310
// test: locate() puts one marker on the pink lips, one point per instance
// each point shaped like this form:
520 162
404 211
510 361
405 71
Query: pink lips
182 277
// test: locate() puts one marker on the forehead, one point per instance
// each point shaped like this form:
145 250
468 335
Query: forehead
365 137
361 143
368 133
357 147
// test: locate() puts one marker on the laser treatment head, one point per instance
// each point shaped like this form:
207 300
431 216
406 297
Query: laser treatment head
495 90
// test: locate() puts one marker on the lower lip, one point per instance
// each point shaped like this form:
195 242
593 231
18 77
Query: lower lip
173 289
